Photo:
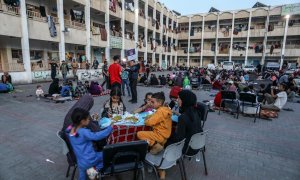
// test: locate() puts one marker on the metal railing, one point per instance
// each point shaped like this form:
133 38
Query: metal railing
35 15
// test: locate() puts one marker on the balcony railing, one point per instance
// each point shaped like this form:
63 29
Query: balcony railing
12 67
9 9
74 24
40 66
35 15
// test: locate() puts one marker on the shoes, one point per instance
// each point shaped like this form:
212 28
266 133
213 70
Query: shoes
156 148
130 100
133 102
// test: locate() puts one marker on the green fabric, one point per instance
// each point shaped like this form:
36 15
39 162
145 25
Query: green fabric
186 82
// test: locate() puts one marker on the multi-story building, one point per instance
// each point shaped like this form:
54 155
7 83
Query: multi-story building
257 35
34 32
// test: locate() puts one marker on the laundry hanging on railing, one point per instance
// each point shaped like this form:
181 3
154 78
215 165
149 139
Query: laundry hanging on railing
103 34
271 27
43 11
52 27
192 33
112 5
77 15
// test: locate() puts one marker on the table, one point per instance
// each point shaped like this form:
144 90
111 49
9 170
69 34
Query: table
128 132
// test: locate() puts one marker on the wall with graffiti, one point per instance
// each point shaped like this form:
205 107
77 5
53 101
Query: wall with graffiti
82 74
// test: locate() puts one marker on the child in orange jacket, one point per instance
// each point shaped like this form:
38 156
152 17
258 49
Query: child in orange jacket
161 123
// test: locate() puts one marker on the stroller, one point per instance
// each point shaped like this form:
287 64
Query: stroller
195 83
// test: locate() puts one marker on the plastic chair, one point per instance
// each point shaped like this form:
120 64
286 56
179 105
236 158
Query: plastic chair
203 110
167 158
197 143
230 98
123 157
68 151
249 100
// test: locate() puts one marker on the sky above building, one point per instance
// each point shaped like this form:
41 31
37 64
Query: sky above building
186 7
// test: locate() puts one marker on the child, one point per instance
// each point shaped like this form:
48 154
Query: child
174 96
39 92
147 105
115 104
160 122
87 85
82 139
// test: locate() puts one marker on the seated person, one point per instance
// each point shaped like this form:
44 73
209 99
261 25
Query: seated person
160 122
82 139
261 93
143 79
291 93
153 80
87 85
146 106
54 87
115 104
6 78
163 80
174 96
95 88
80 90
65 91
218 97
275 102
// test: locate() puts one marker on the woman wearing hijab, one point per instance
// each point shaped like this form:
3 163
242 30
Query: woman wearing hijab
54 87
95 89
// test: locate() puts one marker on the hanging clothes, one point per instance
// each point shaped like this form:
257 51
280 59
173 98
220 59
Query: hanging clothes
192 33
235 31
272 49
271 27
103 34
72 15
52 27
43 11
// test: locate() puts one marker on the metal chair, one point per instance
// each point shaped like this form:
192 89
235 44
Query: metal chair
68 151
167 158
249 100
197 143
123 157
203 110
229 97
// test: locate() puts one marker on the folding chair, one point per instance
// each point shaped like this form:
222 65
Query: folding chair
68 151
197 143
123 157
167 158
229 97
203 110
249 100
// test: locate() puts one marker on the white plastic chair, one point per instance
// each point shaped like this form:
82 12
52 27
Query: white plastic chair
197 143
167 158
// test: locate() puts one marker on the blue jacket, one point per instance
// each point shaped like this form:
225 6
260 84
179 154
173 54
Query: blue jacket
83 148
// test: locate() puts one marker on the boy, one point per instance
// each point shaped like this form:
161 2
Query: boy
39 92
161 123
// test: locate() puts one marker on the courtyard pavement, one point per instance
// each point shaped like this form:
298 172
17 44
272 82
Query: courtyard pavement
236 148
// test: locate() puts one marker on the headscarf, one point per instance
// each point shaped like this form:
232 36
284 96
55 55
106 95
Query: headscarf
188 98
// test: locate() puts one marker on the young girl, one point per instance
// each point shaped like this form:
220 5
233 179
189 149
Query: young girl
81 141
39 92
115 104
146 106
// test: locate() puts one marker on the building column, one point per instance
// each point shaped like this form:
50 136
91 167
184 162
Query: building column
202 41
60 13
146 32
154 33
123 30
176 43
284 40
172 40
231 39
88 30
161 34
136 27
248 37
25 42
189 42
265 38
217 40
107 28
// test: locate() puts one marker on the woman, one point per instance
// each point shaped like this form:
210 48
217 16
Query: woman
188 123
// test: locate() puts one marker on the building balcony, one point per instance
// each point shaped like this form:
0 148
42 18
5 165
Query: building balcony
224 34
149 50
12 67
96 38
150 24
195 54
142 21
294 30
117 12
99 5
257 32
129 16
10 17
209 35
208 53
223 53
76 35
42 65
292 52
279 31
197 35
74 24
183 35
242 34
238 53
129 44
251 52
180 52
80 1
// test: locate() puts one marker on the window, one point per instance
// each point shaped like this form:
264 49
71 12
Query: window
36 55
16 53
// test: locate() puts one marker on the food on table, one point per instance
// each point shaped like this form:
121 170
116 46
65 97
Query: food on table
117 118
132 119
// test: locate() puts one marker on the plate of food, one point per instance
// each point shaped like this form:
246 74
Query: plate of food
116 118
132 119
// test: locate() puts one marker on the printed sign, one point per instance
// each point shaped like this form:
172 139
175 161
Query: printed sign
131 55
290 9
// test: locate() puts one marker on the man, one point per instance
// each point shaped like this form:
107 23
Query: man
74 68
133 76
115 72
54 67
64 70
276 102
105 75
95 64
125 80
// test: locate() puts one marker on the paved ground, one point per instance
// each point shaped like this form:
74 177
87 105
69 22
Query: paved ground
236 148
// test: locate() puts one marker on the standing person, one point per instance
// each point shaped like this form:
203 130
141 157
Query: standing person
95 64
64 70
125 80
114 72
74 68
147 70
133 76
54 67
105 75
